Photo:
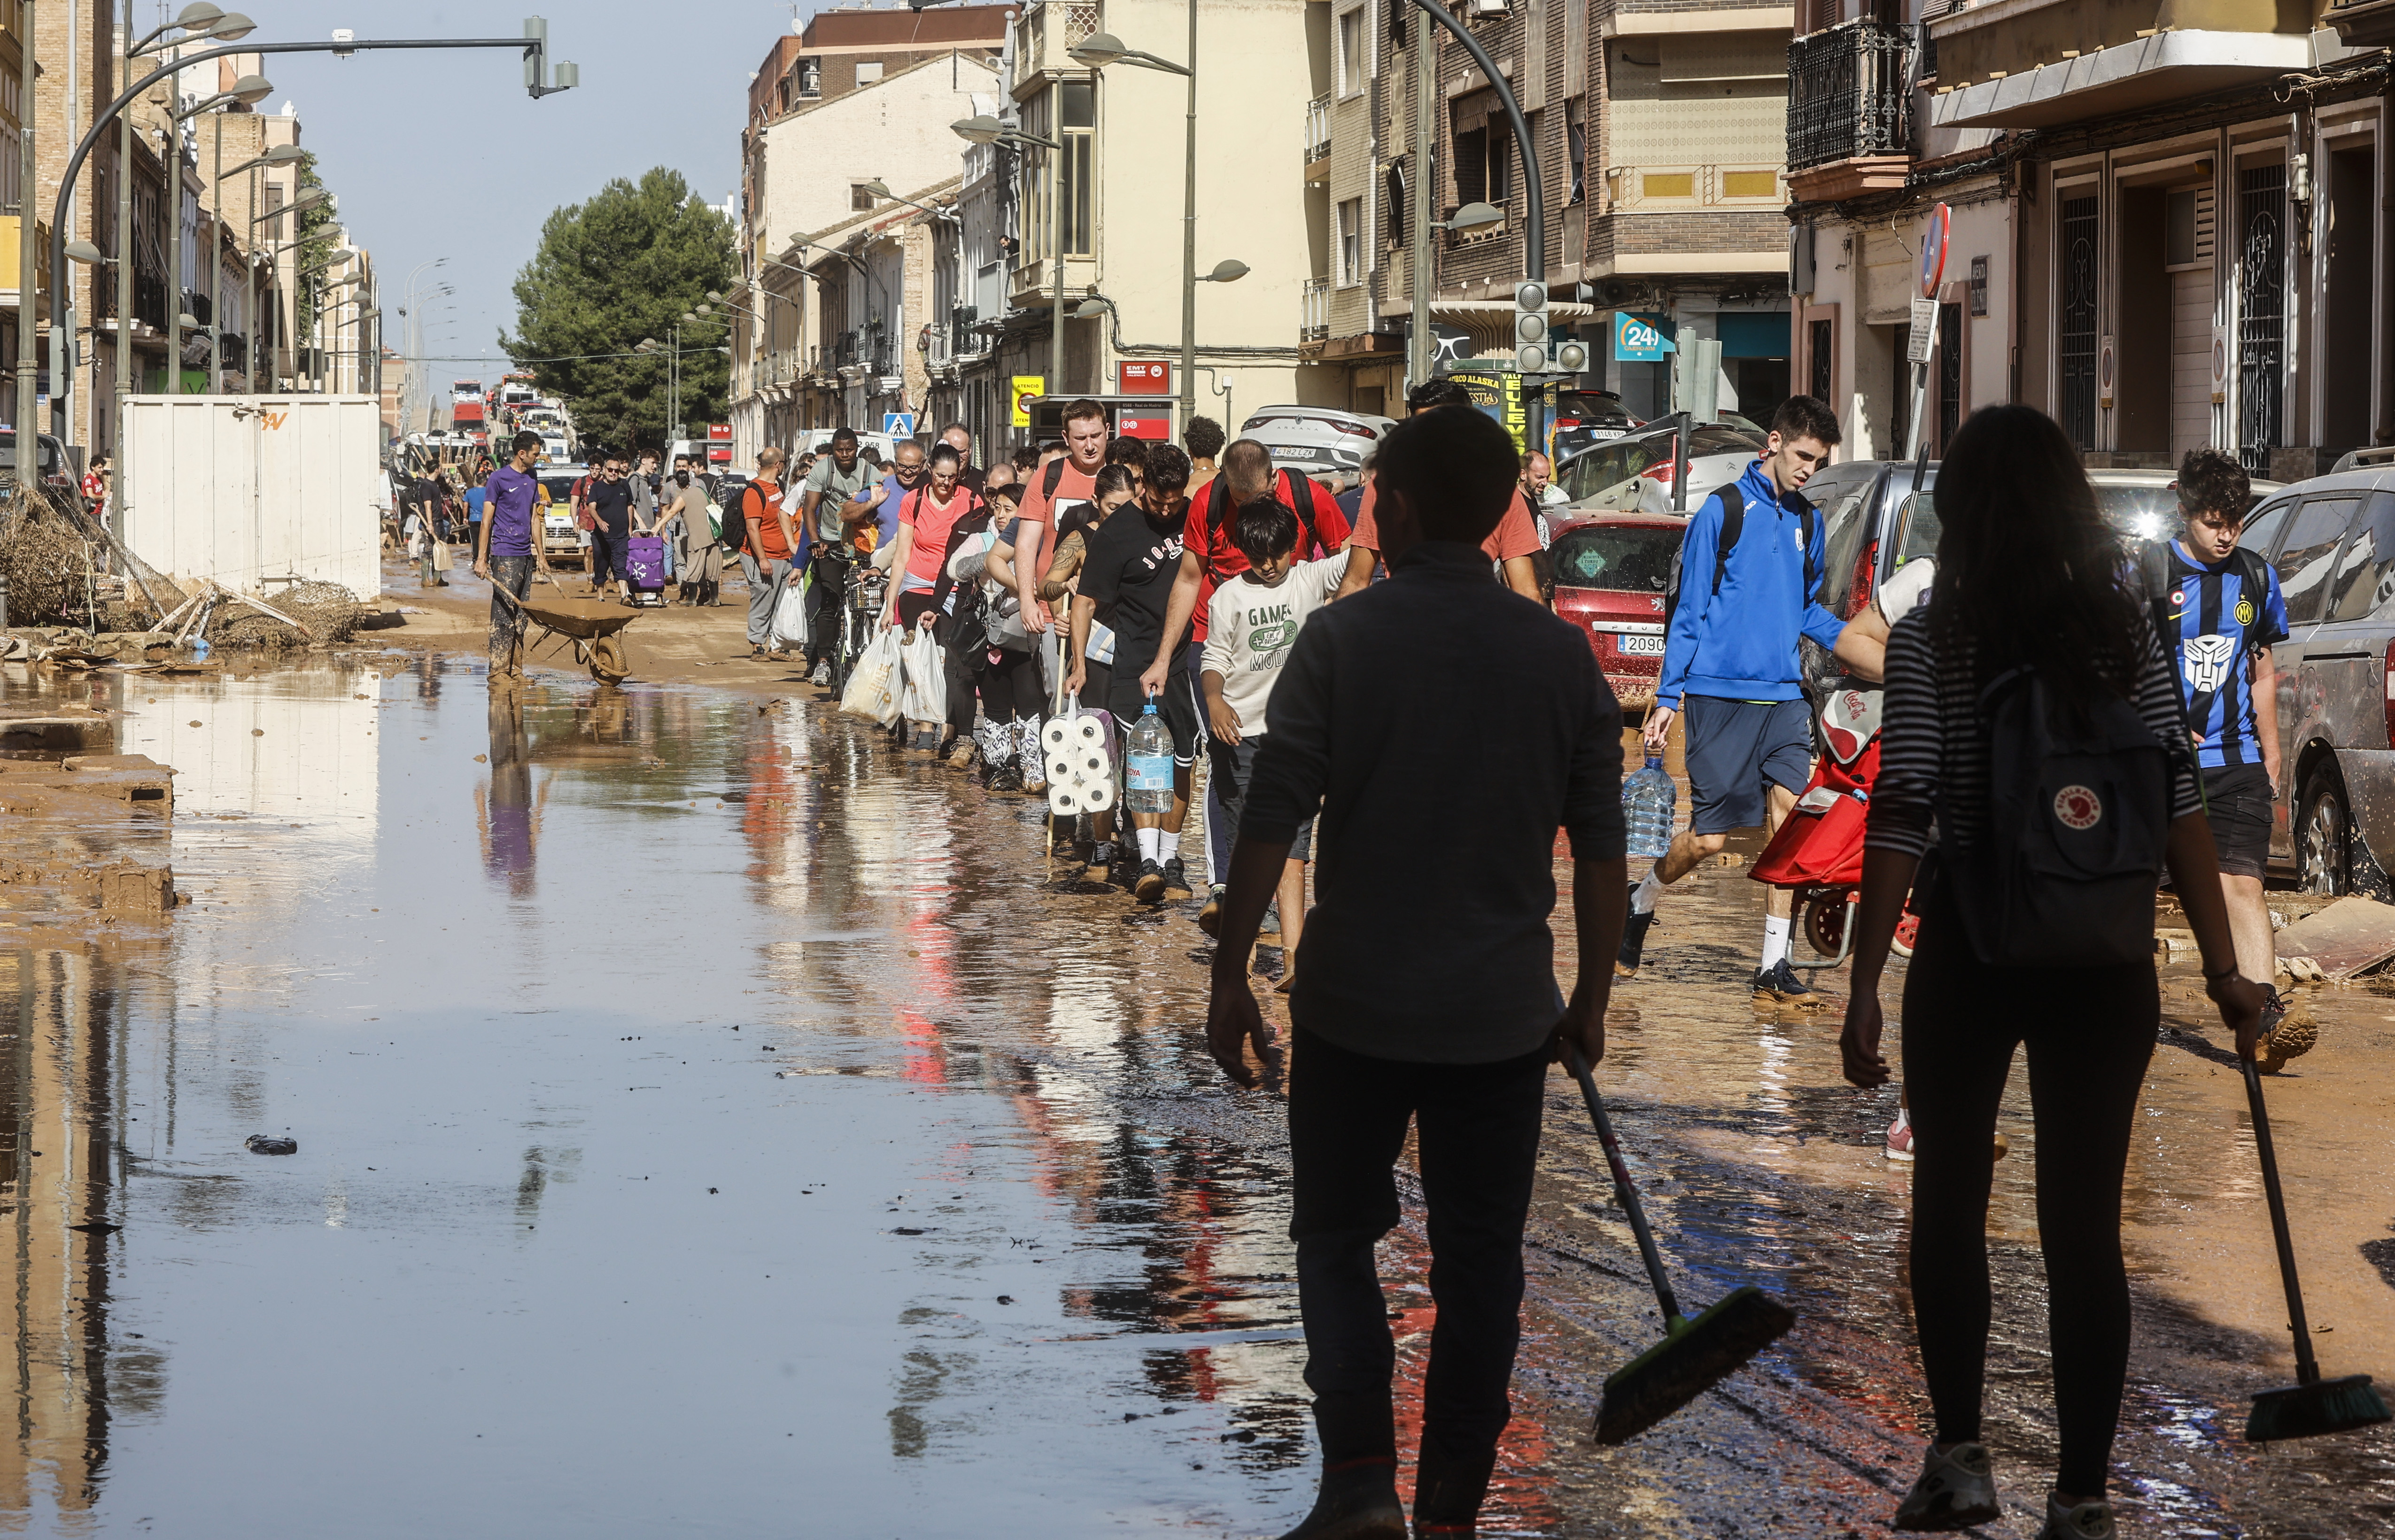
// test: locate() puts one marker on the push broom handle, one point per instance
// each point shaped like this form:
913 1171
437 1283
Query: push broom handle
2307 1369
1625 1190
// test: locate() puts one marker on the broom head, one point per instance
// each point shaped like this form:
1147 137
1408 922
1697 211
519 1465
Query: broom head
1692 1358
2308 1410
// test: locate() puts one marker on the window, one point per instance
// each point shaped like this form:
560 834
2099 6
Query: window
1351 242
2366 579
1073 99
1576 146
1398 205
1501 156
867 73
859 200
2309 560
810 77
1471 166
1080 124
1632 557
1350 52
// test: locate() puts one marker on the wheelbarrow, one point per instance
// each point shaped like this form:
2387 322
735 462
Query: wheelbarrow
589 624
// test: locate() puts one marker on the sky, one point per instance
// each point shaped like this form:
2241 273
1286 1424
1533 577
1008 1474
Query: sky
441 155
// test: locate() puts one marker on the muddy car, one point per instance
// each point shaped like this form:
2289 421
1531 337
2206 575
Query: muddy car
2333 542
1610 573
1871 526
564 542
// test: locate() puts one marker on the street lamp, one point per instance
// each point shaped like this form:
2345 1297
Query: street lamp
223 29
1471 219
1097 51
249 90
986 129
281 154
880 188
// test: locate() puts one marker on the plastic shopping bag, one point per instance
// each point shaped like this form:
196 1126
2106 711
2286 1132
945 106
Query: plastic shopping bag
925 698
789 626
872 690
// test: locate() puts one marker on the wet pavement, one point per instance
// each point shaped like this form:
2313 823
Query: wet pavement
710 1123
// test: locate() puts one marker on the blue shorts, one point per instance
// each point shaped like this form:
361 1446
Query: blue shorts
1735 749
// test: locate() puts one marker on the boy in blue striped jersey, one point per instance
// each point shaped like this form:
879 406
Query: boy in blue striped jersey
2218 609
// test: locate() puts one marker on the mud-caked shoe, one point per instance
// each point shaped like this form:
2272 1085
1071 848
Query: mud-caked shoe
1634 927
1357 1502
1778 985
1176 877
2080 1522
2289 1031
1104 858
1210 918
1150 887
1957 1489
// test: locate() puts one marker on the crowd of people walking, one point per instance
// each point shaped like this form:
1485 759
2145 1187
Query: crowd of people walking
1319 651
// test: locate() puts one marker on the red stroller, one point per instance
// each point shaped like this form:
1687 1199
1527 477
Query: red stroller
1818 854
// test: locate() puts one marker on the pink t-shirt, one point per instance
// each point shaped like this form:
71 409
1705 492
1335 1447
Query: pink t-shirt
932 521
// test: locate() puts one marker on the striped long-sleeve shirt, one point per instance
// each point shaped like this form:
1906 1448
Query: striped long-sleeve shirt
1933 740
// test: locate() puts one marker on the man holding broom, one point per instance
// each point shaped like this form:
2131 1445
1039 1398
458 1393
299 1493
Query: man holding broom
1427 993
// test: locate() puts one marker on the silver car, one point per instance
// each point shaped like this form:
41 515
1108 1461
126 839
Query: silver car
1319 441
2333 542
1636 471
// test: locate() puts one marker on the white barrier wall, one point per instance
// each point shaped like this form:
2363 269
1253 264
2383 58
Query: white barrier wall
252 491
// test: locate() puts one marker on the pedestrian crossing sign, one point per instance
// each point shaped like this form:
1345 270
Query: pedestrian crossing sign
898 425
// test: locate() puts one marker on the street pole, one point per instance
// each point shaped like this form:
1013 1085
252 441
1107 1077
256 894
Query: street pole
1419 278
1056 240
216 266
170 162
27 419
1189 242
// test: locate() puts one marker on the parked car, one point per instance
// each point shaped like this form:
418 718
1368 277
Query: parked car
1610 573
1871 525
55 470
1586 417
1636 469
2333 541
2141 504
1317 439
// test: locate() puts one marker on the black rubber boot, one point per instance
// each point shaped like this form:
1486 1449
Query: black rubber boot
1358 1501
1448 1491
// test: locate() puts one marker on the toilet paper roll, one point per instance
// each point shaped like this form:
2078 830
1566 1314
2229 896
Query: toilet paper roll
1087 731
1094 763
1098 798
1066 800
1061 767
1056 734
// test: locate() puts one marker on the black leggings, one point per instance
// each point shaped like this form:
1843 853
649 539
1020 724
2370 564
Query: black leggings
1011 688
2089 1032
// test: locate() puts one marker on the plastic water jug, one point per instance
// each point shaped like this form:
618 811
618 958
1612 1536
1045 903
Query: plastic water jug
1648 799
1147 765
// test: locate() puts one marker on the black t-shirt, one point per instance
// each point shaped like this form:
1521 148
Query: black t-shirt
1128 571
610 502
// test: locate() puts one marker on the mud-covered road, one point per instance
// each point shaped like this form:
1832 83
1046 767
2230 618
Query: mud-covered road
708 1124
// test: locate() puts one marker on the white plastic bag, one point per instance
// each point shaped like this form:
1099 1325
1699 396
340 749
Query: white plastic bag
872 690
925 697
789 626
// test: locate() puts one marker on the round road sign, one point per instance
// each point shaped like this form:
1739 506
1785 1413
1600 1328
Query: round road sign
1933 251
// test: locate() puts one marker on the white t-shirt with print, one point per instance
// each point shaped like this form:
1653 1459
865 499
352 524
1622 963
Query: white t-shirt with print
1250 628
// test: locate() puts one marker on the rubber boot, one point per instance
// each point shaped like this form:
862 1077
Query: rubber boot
1358 1501
1449 1490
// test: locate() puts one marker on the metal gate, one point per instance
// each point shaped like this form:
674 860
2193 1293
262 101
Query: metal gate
1818 355
1950 374
2076 346
2261 310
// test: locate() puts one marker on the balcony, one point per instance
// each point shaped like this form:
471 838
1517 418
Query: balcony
1313 311
2363 23
1849 123
1043 40
1317 136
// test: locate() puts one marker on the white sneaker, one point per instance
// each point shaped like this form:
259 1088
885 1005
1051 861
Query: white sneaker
1956 1490
2087 1521
1900 1136
822 676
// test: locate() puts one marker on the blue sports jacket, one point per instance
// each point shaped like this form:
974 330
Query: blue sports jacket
1740 644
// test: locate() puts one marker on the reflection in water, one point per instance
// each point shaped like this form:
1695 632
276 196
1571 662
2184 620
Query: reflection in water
61 1011
505 810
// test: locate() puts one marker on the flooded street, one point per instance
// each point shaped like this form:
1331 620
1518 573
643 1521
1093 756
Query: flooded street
710 1123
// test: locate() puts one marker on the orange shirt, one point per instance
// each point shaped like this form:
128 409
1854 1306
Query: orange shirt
1515 535
766 509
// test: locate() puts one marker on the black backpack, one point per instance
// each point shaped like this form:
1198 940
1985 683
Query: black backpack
2077 819
1733 504
1218 508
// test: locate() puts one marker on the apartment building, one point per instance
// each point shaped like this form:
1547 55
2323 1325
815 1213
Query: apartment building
2167 235
1658 127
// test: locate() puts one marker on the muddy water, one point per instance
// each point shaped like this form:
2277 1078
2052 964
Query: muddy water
709 1125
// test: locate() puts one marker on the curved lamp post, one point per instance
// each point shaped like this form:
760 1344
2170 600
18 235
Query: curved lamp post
986 129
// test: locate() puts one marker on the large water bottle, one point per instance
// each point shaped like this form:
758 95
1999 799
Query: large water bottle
1147 766
1647 800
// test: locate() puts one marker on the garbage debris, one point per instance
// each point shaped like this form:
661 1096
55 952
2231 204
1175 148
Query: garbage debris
2351 936
268 1144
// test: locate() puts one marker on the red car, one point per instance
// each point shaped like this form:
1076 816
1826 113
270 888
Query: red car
1610 572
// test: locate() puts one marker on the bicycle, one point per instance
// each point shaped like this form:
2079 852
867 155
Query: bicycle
864 589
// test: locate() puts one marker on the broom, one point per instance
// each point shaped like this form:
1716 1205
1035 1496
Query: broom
1695 1354
2312 1406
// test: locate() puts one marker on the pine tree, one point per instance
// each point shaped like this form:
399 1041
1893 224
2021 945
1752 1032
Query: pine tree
610 273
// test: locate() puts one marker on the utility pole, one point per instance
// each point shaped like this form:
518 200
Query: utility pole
1420 279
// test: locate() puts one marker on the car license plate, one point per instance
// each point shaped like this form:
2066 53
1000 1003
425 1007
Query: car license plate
1295 452
1639 647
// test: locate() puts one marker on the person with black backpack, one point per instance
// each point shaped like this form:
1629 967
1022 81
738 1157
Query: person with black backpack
2031 713
1744 591
2218 609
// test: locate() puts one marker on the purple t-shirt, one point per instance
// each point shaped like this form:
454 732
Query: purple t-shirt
512 496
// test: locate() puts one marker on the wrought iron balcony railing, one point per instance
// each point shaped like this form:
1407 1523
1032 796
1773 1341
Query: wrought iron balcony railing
1846 94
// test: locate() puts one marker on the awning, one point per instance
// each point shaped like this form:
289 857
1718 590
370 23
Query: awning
2152 72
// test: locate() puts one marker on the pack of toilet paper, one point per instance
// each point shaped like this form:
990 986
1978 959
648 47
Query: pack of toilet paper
1082 756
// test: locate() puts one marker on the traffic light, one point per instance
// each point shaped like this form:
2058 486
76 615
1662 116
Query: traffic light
1571 356
1530 327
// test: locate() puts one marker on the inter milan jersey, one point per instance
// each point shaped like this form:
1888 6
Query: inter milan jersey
2214 626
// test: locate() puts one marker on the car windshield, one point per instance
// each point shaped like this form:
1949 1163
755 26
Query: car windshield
1612 462
1632 557
2138 513
1724 440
